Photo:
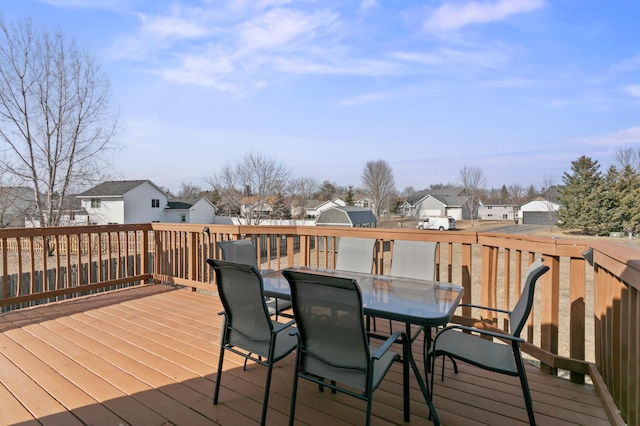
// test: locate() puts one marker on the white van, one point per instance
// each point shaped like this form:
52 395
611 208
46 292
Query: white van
440 223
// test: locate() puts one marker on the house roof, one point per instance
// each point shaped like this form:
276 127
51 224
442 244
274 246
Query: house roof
349 215
498 202
114 188
185 203
450 201
448 196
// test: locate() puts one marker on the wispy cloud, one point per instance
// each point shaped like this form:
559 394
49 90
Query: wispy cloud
367 5
364 99
633 90
510 83
629 136
482 57
171 26
455 16
284 29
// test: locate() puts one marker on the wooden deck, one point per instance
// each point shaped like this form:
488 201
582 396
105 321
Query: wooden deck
148 356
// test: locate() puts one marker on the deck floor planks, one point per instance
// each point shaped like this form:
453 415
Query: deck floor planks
164 343
69 395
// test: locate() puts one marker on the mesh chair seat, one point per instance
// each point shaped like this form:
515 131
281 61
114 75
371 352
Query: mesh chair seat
479 352
260 347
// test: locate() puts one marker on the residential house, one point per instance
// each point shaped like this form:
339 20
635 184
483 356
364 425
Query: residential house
497 210
190 210
124 201
16 204
542 209
539 211
256 206
365 202
442 202
315 207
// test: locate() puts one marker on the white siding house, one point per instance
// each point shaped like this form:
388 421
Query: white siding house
497 210
120 202
314 208
190 210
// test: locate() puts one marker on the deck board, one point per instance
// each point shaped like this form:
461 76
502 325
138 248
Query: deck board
148 355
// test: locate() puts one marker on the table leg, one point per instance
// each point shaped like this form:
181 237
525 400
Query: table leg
425 390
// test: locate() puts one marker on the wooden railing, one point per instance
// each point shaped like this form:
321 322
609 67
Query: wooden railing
46 264
561 334
617 324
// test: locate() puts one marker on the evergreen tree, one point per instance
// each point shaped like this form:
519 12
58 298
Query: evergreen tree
627 191
581 197
504 194
349 198
280 208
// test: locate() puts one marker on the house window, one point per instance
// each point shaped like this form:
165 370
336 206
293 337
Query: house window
95 203
155 203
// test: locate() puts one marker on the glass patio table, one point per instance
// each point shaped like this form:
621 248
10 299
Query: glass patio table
419 302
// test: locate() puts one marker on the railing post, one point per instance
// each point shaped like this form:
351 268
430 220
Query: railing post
577 314
466 278
193 257
550 309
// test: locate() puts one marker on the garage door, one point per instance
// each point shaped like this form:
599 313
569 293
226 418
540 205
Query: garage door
539 218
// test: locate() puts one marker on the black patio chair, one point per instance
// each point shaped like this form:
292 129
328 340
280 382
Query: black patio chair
243 251
333 348
247 328
467 344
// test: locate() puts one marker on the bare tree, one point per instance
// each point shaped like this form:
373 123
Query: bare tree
627 156
516 196
378 183
408 191
188 190
249 188
302 190
473 183
549 192
55 115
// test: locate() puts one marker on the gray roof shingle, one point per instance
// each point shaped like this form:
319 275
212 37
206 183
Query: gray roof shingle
112 188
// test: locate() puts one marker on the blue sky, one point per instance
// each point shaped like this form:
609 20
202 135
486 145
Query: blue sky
518 88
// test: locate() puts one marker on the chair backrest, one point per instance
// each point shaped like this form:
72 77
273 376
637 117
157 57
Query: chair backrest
241 291
330 319
414 259
520 313
355 254
240 251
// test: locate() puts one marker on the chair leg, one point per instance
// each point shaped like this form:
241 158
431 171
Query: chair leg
525 388
294 391
218 376
265 403
369 402
406 353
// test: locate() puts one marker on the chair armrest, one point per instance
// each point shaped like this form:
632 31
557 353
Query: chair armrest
283 326
387 344
486 308
479 331
294 332
222 313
